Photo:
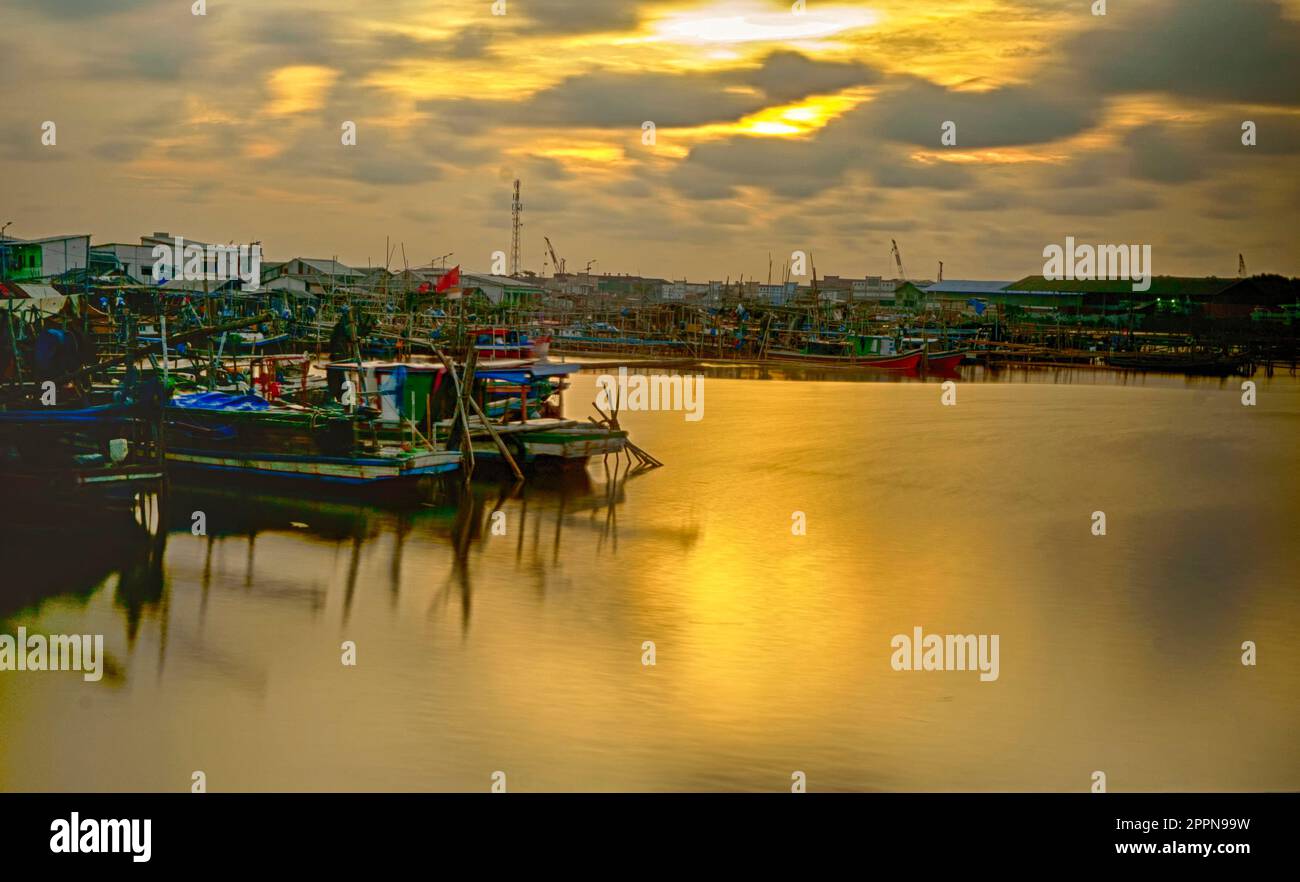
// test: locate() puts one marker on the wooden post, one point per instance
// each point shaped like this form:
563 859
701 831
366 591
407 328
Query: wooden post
496 439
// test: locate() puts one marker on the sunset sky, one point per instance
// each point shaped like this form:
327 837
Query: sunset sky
774 131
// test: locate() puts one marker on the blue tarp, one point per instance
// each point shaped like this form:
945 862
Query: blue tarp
522 375
394 386
219 401
106 413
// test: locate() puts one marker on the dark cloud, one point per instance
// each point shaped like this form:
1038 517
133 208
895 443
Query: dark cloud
571 16
279 38
1276 134
160 62
1106 199
22 141
71 11
1158 153
120 149
789 76
914 113
1245 51
615 99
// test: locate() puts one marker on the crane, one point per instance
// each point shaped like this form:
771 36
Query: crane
898 259
557 264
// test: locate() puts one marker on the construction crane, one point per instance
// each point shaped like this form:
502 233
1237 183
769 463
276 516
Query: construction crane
557 264
898 259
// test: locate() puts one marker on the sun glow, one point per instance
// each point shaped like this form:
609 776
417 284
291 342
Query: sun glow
299 88
788 120
749 23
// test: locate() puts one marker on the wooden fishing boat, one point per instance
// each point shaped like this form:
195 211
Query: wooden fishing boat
907 361
249 435
549 440
497 344
98 455
515 395
944 362
567 443
1179 363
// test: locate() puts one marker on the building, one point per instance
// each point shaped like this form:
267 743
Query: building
32 300
673 292
136 262
777 294
501 290
641 288
310 275
869 289
965 296
1208 296
44 258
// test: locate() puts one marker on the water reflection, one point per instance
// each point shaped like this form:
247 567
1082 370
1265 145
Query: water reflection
47 554
127 550
481 651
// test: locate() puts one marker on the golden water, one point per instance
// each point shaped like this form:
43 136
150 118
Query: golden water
522 652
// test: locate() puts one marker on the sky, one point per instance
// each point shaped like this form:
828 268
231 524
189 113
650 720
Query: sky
775 128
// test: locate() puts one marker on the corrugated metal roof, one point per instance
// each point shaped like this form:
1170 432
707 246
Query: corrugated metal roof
502 281
961 286
43 239
34 290
1184 285
328 266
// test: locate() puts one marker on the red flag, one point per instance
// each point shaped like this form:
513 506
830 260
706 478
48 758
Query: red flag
424 288
449 279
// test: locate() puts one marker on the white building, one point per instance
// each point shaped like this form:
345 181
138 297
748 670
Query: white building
138 260
45 257
673 291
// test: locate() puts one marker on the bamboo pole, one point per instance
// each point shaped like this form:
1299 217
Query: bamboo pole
496 438
134 352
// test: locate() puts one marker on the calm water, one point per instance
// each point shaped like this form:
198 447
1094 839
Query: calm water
523 652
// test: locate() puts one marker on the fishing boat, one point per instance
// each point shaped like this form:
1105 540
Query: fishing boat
944 362
542 436
555 443
99 455
1199 364
498 344
903 362
522 401
248 435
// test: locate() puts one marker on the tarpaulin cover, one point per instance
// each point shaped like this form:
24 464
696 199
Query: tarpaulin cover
519 376
394 384
219 401
103 414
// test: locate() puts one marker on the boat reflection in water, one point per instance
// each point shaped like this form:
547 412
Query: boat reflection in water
47 556
284 548
507 629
